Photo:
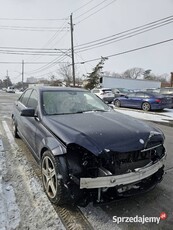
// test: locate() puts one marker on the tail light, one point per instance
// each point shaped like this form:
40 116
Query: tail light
158 100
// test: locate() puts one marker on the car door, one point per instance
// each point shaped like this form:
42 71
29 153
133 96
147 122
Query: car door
30 124
128 100
27 126
139 97
18 107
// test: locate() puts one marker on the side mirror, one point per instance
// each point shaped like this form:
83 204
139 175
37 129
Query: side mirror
29 112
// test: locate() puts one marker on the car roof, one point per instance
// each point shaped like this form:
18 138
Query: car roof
57 88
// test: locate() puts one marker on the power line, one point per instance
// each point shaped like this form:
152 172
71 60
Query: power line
120 38
52 39
29 63
90 9
125 34
29 48
50 64
82 6
95 11
33 19
35 29
129 51
29 52
150 23
33 51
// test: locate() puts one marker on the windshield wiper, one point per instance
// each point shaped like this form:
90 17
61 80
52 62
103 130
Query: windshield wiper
95 110
52 114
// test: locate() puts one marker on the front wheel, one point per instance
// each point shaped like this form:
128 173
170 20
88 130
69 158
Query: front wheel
146 106
54 178
117 103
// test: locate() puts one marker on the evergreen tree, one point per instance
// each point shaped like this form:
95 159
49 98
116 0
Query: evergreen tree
94 77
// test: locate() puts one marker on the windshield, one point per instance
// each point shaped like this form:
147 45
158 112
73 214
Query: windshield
70 102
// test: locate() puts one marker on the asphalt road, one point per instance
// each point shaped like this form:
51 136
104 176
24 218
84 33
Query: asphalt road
151 204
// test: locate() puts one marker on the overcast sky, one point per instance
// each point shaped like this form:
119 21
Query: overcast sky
96 23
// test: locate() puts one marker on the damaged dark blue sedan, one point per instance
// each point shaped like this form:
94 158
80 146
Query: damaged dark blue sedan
86 150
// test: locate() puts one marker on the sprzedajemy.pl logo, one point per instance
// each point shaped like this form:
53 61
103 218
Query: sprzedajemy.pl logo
140 219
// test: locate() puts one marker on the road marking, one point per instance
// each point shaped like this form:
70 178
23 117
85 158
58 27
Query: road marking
96 212
9 135
31 182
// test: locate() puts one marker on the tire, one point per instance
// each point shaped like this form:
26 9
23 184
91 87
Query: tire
146 106
54 178
117 103
14 127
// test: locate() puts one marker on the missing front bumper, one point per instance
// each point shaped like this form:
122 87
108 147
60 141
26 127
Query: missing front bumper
124 179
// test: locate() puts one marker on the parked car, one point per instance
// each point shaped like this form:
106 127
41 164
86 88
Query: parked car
10 89
120 91
168 92
144 100
86 150
153 90
105 94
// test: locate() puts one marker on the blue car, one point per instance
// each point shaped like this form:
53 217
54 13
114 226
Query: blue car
143 100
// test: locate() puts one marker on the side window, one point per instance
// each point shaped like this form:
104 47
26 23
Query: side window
33 100
24 98
131 95
140 95
147 95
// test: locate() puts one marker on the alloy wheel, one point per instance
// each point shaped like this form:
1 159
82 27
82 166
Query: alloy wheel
146 106
117 103
49 177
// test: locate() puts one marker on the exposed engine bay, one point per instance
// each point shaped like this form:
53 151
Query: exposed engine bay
114 174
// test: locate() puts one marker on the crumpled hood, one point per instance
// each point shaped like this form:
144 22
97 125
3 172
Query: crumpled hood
100 131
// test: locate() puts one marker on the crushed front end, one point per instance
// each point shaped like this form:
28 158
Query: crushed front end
112 174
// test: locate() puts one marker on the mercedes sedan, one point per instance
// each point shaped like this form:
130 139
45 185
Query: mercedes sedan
86 150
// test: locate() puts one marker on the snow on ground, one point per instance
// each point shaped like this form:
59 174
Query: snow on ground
163 116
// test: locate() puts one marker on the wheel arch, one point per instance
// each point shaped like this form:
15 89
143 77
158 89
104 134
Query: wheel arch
52 145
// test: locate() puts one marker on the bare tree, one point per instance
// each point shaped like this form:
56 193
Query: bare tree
66 73
134 73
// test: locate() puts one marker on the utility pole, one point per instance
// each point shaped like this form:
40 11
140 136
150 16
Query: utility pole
72 49
22 73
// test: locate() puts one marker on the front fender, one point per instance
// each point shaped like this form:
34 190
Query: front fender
53 145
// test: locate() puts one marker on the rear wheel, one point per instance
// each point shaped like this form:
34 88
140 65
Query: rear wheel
117 103
54 177
14 127
146 106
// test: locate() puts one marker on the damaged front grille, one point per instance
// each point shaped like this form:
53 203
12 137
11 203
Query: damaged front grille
118 163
